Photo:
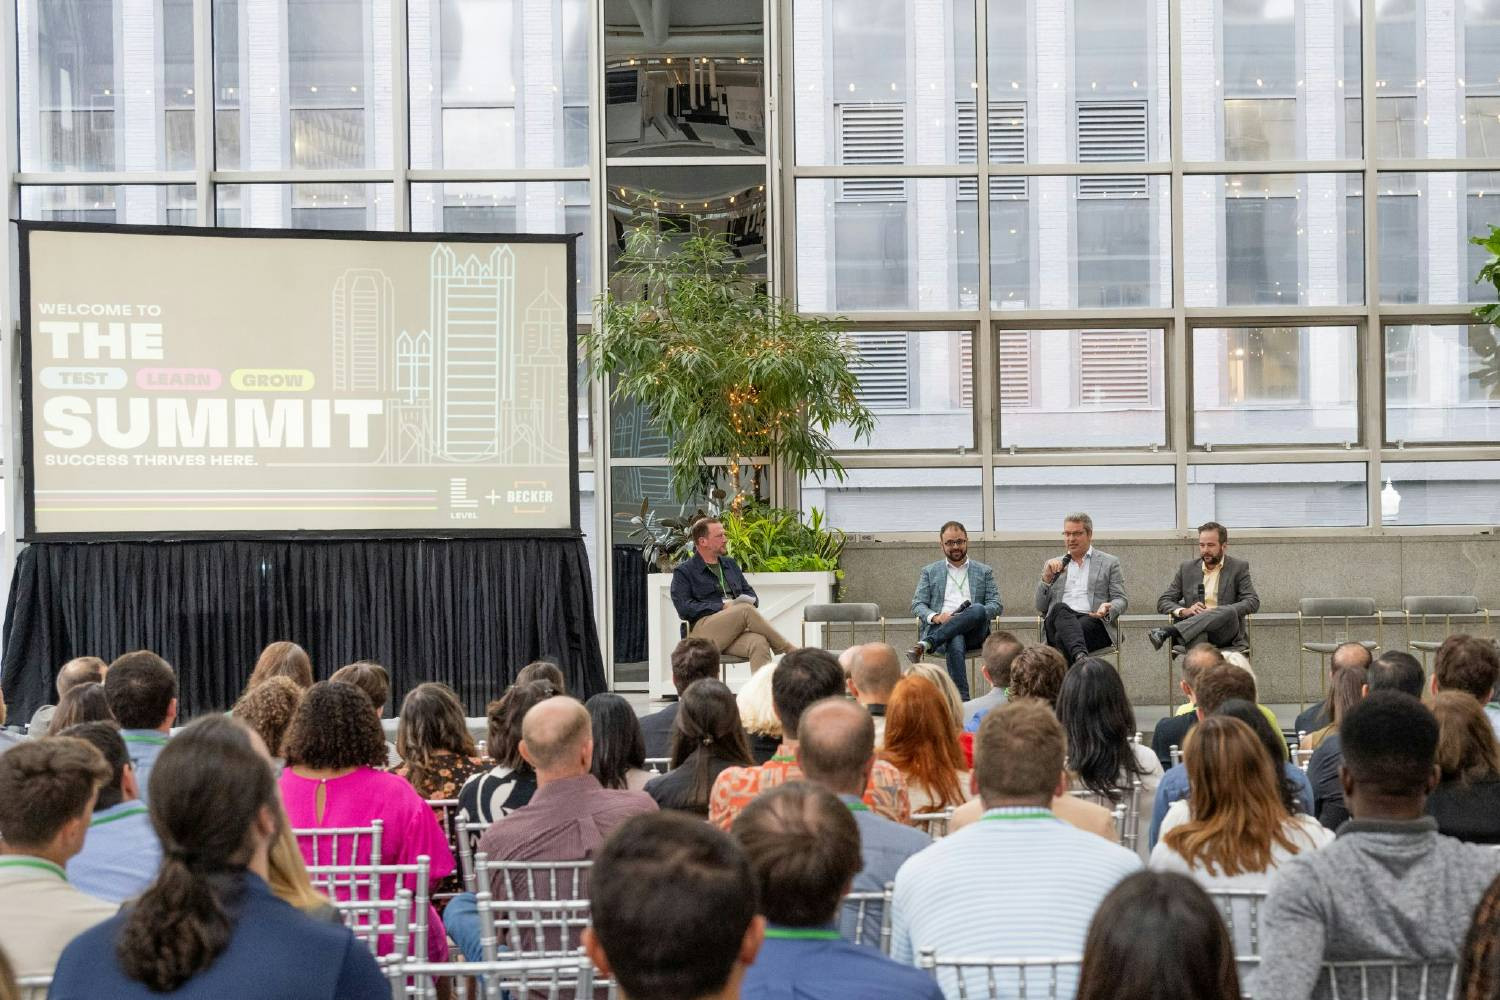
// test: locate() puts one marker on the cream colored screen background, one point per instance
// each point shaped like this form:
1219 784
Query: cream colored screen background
210 383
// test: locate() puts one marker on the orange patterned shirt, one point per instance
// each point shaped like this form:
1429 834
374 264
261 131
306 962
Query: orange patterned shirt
736 786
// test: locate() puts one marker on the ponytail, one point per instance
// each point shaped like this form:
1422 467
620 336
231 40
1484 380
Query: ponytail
207 790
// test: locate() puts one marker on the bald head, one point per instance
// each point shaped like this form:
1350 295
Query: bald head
80 670
874 672
1350 654
836 746
557 738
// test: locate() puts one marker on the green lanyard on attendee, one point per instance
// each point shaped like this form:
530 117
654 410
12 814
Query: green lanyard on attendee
41 864
1029 814
101 820
801 934
719 572
857 807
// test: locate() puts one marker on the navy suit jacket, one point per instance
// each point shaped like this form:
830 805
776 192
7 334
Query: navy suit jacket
695 588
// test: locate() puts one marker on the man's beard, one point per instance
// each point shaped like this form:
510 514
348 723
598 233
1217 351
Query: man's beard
1212 561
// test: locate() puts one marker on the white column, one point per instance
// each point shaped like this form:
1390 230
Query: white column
425 104
1202 106
812 57
140 97
542 113
930 77
1439 105
378 112
1053 195
1322 210
265 121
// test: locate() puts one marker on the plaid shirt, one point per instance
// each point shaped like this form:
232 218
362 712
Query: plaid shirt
736 786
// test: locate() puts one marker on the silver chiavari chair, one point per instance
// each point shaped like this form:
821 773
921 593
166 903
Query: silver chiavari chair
997 978
468 833
658 765
392 916
935 823
34 987
341 847
449 815
1128 823
561 978
533 908
1241 910
1388 979
865 918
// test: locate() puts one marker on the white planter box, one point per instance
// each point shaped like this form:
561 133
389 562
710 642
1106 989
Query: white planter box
782 598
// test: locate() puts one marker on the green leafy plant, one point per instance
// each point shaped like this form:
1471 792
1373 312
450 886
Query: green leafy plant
765 539
726 369
1482 342
664 540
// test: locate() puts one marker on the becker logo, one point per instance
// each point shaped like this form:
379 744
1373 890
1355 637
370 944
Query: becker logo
528 497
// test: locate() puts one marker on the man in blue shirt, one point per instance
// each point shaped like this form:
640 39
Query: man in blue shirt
836 748
997 654
691 886
142 692
955 599
718 603
804 850
121 853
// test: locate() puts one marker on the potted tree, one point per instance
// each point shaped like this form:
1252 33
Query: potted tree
730 372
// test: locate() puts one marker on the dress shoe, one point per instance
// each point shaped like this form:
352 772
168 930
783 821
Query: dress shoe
915 654
1158 636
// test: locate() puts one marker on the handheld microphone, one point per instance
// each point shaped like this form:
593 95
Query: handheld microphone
1200 593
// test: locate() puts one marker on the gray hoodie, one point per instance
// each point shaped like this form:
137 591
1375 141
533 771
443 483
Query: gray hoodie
1383 889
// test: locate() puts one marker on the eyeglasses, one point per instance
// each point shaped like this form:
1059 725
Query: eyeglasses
955 541
1074 534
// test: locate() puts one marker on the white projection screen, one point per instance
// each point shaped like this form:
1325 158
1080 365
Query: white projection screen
214 381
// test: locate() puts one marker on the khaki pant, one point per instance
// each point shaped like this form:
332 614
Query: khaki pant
739 630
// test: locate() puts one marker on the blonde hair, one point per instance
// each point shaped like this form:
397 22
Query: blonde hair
288 874
757 714
940 679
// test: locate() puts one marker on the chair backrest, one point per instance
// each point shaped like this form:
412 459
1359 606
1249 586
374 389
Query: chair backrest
1241 910
369 912
1440 605
866 918
1129 822
996 978
935 823
34 987
658 765
1174 754
1409 979
841 613
1336 607
520 978
511 916
346 847
468 833
450 816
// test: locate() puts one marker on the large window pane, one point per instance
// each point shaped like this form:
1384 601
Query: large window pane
1081 388
1275 385
1440 493
151 204
305 206
510 207
729 200
1445 60
667 96
498 84
920 386
1117 497
1080 82
897 499
104 86
1273 239
320 101
1270 80
1426 220
1298 495
886 243
884 81
1079 242
1442 384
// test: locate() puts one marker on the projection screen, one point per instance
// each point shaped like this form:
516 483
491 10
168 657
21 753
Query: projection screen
208 381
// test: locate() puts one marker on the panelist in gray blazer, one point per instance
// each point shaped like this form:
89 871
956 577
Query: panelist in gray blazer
1209 597
956 598
1081 593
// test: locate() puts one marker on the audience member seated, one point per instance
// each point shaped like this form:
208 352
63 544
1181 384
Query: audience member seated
375 681
692 660
79 670
619 748
691 885
1157 936
836 752
804 850
954 602
567 819
543 670
1038 673
1390 671
995 657
47 790
1345 654
1292 784
874 670
334 754
1466 802
437 753
1100 723
713 597
1347 687
802 677
1217 686
1469 663
87 702
8 738
121 854
1081 595
921 741
707 738
1390 886
282 659
1172 732
1020 882
758 714
142 690
511 783
1233 830
1479 963
209 926
268 708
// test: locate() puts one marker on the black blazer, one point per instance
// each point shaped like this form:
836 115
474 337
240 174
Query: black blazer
657 728
695 588
1235 591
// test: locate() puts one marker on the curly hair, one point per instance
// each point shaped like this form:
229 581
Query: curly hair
432 723
335 726
268 708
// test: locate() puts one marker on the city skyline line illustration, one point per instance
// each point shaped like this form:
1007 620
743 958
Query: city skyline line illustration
470 387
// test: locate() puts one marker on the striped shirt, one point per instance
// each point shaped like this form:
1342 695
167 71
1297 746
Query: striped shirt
120 854
1018 883
144 746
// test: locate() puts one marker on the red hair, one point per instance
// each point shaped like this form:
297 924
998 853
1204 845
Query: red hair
921 742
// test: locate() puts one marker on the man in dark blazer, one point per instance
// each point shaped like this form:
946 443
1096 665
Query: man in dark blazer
692 660
1209 597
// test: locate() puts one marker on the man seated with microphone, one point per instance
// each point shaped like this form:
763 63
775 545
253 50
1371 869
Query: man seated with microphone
1222 595
1082 594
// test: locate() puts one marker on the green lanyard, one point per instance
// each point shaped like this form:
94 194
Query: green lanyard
801 934
783 759
719 572
153 739
960 582
40 864
1029 814
101 820
857 807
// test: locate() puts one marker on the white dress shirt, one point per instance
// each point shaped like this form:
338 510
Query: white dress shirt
1076 587
956 590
